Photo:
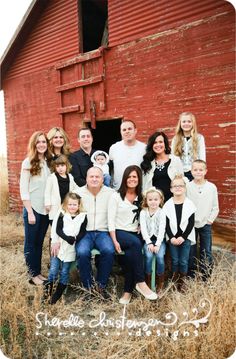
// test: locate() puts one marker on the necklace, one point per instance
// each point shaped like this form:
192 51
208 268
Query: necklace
200 188
160 165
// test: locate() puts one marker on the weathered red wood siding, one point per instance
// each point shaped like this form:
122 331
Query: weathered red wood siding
150 75
29 88
129 21
55 36
187 68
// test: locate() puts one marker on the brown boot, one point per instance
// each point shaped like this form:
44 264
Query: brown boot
160 282
175 278
148 278
181 282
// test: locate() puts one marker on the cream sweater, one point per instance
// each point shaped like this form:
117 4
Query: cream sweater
71 227
52 194
187 148
121 215
205 198
168 210
32 188
174 168
149 225
96 207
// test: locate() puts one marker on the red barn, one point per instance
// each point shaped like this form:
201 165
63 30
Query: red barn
73 62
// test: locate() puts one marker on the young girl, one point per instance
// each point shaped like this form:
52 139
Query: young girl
58 185
68 227
178 222
150 217
187 143
34 173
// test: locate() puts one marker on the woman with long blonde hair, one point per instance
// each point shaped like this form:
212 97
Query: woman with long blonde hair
58 142
187 143
34 173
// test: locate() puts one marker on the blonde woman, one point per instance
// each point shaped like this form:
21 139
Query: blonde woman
187 143
58 142
34 173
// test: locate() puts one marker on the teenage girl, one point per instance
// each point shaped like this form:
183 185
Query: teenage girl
150 216
187 143
34 173
68 227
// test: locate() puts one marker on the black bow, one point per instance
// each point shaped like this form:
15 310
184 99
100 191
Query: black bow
136 211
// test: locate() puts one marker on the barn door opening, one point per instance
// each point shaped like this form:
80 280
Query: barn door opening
94 24
106 133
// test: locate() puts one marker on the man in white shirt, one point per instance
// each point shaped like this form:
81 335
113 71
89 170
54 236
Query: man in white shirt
126 152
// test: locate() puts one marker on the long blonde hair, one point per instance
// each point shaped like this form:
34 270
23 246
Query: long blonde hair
179 136
65 150
35 166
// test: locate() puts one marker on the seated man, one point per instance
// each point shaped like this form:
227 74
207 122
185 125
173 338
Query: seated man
95 197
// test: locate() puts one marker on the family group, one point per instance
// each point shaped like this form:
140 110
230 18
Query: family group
139 200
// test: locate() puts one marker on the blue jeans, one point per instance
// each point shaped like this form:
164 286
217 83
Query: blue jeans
57 266
131 244
103 242
204 236
107 180
34 237
180 256
159 258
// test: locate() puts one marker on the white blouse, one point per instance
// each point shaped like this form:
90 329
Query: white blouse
32 188
187 151
121 214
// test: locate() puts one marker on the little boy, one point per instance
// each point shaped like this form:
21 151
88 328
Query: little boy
205 197
101 159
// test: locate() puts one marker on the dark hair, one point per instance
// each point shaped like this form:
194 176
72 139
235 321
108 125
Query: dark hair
123 187
84 129
100 154
150 154
62 160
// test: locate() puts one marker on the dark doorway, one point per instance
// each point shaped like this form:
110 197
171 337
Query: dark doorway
106 133
94 24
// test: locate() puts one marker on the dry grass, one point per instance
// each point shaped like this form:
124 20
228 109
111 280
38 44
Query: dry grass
4 186
20 302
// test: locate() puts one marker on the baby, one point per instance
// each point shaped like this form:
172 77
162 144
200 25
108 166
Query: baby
100 159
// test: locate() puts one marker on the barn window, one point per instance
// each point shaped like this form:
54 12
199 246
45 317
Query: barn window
94 24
